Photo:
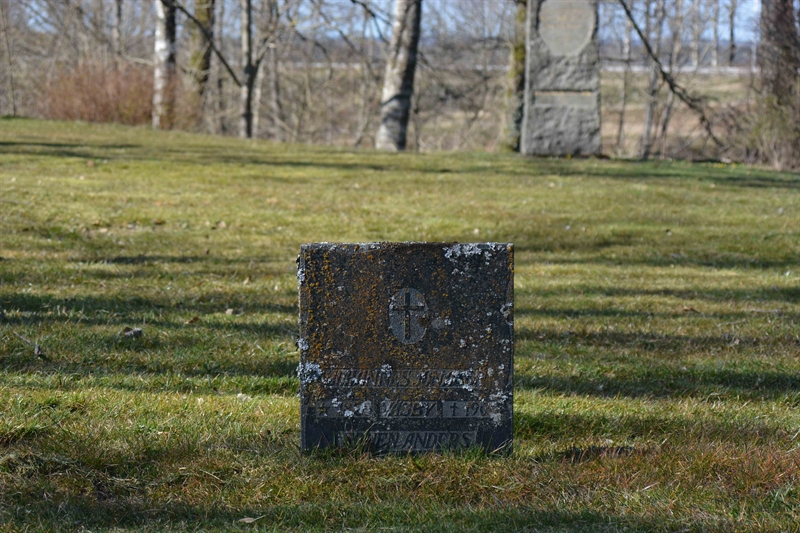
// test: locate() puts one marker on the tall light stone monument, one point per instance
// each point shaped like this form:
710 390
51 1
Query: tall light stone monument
562 79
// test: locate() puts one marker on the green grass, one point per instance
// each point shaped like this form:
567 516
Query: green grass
657 368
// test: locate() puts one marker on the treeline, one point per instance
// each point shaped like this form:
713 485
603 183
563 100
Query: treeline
309 71
404 74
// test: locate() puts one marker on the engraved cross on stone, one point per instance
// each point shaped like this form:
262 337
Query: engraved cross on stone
408 308
407 312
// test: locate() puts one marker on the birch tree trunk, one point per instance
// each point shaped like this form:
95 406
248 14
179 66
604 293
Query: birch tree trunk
164 60
256 106
515 92
398 83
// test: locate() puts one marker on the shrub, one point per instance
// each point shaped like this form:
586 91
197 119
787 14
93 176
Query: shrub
95 93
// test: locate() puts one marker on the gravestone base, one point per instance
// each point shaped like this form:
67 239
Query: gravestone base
406 347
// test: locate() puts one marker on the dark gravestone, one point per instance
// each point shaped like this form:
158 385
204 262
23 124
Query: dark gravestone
406 346
562 79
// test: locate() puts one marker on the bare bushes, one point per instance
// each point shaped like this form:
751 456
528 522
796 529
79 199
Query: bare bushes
98 94
775 132
766 132
767 129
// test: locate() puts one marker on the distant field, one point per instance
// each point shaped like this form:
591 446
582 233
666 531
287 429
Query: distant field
685 138
657 357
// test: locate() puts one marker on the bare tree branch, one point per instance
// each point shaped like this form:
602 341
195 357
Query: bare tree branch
271 37
316 44
345 38
372 13
375 16
210 40
694 103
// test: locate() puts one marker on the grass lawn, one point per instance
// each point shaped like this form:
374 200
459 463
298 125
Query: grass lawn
657 306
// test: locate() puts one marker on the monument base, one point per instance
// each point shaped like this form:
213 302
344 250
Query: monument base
558 128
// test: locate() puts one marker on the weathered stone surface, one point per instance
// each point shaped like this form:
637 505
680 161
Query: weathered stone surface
406 346
562 93
566 27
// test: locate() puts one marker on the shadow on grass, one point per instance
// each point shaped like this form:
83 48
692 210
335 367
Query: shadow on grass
4 144
668 344
759 294
274 155
207 346
668 383
592 453
615 312
147 260
110 310
70 150
644 171
650 245
658 380
560 426
151 260
96 511
524 243
183 350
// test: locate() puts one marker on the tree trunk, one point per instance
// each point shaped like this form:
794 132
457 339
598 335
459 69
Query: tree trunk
731 35
164 71
779 60
256 108
201 55
715 47
398 83
652 90
274 95
666 116
222 109
515 91
268 71
674 61
696 30
98 27
116 34
9 60
626 54
249 71
329 106
677 36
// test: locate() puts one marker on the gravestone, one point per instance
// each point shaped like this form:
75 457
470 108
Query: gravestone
406 347
562 79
